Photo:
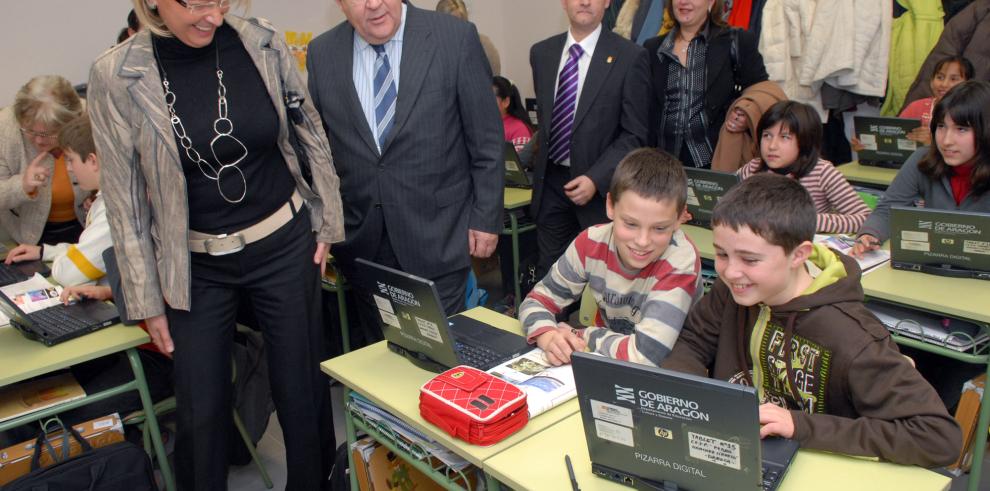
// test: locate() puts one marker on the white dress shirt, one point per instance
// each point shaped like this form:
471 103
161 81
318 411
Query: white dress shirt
588 45
364 71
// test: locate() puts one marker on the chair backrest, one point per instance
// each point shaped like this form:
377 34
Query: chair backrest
588 309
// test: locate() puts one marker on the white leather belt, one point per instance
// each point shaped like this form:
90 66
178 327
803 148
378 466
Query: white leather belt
219 245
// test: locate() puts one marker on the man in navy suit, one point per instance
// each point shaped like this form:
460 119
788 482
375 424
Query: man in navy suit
592 89
406 99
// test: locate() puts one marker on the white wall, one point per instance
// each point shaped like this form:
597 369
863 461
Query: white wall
64 36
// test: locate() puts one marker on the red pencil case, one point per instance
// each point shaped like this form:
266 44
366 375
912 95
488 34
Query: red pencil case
473 406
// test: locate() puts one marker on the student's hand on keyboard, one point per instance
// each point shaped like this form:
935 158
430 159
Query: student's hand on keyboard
775 421
23 252
85 292
559 343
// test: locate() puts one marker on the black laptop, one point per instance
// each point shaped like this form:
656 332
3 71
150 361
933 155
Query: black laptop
59 323
705 188
941 242
884 140
515 173
18 272
650 428
415 325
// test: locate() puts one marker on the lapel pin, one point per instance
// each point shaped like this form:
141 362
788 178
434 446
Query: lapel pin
608 60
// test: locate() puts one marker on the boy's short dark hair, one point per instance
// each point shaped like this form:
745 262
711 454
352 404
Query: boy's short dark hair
803 123
77 136
652 174
775 207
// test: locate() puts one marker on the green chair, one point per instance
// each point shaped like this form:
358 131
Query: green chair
336 283
588 309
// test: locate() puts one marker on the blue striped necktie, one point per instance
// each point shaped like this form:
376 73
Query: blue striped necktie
562 120
384 95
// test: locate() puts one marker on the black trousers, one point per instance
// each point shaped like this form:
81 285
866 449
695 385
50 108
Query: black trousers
557 221
279 277
451 287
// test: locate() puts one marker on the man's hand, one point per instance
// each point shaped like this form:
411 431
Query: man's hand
559 343
23 252
320 257
34 175
158 330
775 420
580 190
81 292
481 244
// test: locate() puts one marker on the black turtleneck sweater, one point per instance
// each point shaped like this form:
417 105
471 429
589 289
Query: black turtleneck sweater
192 76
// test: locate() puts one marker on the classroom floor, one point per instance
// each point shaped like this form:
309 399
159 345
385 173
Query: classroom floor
272 450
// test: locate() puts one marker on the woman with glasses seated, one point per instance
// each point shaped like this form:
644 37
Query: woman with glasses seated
208 209
39 204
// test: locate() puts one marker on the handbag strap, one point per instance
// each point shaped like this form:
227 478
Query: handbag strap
43 441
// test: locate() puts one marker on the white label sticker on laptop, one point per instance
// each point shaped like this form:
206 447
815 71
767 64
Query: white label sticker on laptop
976 247
905 144
692 199
614 433
913 235
390 319
913 245
383 304
428 329
714 450
612 413
869 141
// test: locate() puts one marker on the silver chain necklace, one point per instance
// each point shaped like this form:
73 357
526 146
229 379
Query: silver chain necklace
223 127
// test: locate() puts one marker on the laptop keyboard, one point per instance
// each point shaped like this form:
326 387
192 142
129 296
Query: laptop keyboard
57 321
477 356
10 275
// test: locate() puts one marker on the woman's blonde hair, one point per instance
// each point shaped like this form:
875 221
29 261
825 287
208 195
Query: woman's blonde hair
49 100
153 22
453 7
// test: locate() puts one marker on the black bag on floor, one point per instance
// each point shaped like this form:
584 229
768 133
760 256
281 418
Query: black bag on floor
119 467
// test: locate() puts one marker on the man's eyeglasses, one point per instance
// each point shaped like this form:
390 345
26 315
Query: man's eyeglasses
199 7
35 134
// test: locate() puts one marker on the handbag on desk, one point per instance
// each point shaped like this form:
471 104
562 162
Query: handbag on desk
473 406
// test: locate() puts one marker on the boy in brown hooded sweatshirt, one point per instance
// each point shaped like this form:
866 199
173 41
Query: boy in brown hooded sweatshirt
787 317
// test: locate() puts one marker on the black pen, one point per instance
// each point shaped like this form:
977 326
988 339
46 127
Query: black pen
570 472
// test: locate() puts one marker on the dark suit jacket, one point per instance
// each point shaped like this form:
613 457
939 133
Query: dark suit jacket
610 119
441 168
720 82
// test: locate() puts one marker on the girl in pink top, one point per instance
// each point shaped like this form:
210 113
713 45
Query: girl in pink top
949 72
515 120
790 144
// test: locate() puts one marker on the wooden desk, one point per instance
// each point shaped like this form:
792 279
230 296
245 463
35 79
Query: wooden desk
514 200
23 359
538 463
392 383
877 177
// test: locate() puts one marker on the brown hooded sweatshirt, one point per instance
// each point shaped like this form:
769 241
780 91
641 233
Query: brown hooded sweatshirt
825 357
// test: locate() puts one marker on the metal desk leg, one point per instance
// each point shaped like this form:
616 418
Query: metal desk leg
351 438
514 232
149 412
345 331
492 484
980 444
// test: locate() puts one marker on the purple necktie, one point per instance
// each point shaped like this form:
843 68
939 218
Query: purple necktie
562 119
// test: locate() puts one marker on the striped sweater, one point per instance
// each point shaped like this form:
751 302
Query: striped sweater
840 209
640 313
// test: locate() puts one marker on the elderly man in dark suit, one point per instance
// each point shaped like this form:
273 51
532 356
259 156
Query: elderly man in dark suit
406 100
592 88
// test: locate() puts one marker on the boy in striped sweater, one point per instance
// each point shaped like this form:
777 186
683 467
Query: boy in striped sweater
642 270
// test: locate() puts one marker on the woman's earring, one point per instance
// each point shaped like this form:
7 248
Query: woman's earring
152 6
